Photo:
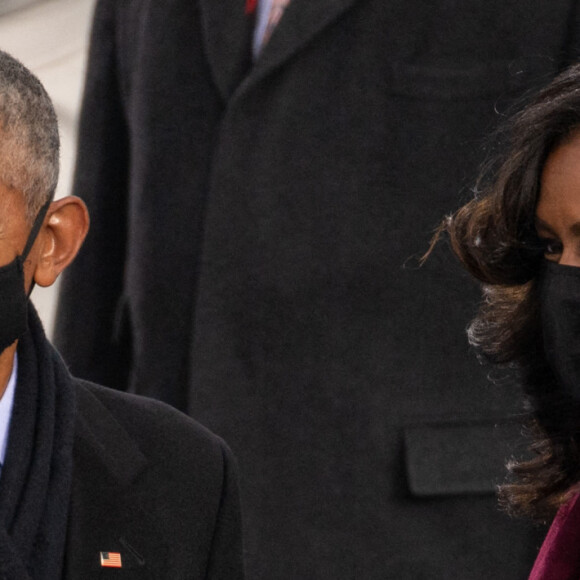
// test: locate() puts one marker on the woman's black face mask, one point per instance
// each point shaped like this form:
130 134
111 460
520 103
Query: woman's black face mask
13 297
560 313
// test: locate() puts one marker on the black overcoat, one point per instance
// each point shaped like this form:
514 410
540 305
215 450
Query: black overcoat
255 229
154 486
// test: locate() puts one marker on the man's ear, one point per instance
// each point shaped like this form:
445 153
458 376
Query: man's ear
65 227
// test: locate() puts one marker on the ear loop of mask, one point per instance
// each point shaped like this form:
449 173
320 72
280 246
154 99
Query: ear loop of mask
38 221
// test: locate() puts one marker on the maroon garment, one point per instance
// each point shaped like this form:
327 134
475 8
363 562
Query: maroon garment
559 557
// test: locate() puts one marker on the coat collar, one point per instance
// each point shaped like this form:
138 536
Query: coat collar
105 515
301 22
227 33
228 38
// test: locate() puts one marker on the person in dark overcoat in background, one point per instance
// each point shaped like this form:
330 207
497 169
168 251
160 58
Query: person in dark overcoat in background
255 219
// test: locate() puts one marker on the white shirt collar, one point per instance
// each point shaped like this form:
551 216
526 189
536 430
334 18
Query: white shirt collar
264 7
6 404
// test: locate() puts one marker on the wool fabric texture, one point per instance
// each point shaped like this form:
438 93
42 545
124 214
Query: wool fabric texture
36 478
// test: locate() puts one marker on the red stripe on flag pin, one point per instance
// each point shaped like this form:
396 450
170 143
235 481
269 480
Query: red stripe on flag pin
250 6
111 560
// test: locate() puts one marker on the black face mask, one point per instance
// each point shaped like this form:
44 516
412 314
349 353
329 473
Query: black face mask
560 313
13 297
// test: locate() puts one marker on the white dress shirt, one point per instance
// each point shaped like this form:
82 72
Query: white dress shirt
264 7
6 404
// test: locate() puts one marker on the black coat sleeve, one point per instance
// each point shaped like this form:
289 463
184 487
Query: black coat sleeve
88 327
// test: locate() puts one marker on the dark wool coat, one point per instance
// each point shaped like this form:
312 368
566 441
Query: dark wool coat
154 486
254 238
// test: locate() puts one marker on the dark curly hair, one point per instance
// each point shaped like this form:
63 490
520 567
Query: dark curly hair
495 239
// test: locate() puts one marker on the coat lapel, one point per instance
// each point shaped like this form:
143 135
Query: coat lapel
105 515
228 40
301 22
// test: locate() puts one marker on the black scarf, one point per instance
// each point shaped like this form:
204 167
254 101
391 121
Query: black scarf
36 477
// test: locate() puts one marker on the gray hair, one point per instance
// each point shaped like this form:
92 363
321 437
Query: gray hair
29 141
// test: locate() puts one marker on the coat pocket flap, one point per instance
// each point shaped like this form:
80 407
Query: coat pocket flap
459 459
476 82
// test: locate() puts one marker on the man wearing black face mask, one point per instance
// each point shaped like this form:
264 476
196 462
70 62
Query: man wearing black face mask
90 478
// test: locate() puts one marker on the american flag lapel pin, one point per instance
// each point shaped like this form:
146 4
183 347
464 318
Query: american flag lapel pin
111 560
